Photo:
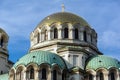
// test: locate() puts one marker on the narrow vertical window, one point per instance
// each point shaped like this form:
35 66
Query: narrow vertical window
38 38
1 42
55 33
91 38
101 76
76 34
54 75
85 36
43 73
90 77
31 73
66 33
45 35
112 76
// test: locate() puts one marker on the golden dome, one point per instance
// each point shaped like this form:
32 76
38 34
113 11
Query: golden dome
63 17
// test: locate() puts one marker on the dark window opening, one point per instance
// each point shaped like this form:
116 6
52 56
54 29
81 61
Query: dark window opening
54 75
45 35
101 76
43 73
55 33
66 33
91 39
76 34
38 38
90 77
112 76
1 42
31 73
1 72
85 36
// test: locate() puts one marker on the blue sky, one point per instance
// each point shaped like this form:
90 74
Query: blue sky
19 18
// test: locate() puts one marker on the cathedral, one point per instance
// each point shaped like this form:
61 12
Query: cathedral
63 47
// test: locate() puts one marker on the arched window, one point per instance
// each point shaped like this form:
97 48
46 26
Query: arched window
32 73
38 38
55 33
76 34
85 36
45 35
112 76
101 76
54 75
90 77
66 33
43 73
1 42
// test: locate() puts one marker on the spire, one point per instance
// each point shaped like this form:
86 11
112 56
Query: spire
63 8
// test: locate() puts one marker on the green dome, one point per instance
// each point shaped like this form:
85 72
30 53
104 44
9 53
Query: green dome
40 57
101 61
63 17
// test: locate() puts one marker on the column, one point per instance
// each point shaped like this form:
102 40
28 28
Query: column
118 76
49 34
106 76
71 34
81 36
94 77
71 31
60 33
24 75
36 75
49 75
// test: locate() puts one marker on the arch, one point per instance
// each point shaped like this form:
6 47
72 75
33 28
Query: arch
44 34
44 71
100 73
3 40
12 74
30 72
56 72
112 74
19 73
55 33
66 32
76 34
90 74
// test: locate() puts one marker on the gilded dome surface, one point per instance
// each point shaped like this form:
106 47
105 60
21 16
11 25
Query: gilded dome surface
40 57
102 61
63 17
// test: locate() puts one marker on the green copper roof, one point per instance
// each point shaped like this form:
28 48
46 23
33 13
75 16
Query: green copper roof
4 77
102 61
40 57
63 17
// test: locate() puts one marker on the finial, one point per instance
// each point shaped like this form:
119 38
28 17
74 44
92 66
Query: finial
63 7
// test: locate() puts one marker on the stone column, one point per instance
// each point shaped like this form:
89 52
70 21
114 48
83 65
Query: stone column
118 76
71 34
106 76
94 77
49 75
60 33
71 31
49 34
36 75
24 75
81 37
